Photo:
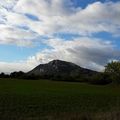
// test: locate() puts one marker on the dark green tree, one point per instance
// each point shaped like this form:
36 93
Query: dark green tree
113 70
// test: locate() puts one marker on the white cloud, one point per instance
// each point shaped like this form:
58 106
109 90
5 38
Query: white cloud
12 26
9 67
13 35
61 16
57 16
86 52
8 3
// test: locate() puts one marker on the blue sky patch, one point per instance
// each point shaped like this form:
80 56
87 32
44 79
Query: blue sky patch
32 17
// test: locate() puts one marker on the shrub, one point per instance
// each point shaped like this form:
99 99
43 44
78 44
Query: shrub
100 79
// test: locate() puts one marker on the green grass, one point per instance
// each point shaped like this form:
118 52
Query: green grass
51 100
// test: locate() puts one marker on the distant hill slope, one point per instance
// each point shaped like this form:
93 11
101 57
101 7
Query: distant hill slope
60 68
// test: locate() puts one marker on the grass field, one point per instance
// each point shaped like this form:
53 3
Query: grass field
51 100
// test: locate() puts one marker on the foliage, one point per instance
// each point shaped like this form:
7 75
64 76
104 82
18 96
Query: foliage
3 75
100 79
113 70
19 74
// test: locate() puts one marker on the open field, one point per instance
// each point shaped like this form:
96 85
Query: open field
51 100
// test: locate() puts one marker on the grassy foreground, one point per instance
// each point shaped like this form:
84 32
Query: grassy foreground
51 100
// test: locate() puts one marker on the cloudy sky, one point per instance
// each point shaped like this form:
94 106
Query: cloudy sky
85 32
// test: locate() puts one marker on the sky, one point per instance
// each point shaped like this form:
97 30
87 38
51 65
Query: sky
33 32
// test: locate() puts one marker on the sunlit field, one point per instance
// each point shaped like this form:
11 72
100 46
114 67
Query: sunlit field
51 100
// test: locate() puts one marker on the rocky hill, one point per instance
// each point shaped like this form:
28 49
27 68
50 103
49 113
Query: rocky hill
60 68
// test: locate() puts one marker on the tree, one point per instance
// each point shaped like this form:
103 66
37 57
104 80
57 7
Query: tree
19 74
113 70
100 79
3 75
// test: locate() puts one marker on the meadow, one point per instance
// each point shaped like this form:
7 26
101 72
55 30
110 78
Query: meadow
52 100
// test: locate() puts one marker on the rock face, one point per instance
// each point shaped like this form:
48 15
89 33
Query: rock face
60 68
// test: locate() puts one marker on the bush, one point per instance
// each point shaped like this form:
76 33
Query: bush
100 79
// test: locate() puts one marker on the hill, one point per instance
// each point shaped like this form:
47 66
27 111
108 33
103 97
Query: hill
60 69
